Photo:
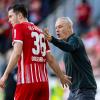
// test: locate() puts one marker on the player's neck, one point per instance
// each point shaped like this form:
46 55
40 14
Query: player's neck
23 20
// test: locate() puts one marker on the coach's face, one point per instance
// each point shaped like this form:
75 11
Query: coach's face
62 30
13 18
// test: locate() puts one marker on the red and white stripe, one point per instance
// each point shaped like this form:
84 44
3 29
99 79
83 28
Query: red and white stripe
32 73
39 73
31 67
22 69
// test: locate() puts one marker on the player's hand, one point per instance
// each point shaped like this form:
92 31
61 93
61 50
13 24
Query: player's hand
2 81
47 35
65 81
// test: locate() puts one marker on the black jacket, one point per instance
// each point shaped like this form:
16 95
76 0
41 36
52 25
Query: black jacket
77 63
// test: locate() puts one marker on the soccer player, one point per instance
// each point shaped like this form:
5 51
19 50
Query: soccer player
31 50
77 64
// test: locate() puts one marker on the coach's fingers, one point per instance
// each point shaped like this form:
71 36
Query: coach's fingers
45 30
66 85
47 35
63 85
68 79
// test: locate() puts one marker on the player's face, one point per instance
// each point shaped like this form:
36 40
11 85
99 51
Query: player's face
61 29
13 19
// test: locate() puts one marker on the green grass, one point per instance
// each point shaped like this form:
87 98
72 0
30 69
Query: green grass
1 96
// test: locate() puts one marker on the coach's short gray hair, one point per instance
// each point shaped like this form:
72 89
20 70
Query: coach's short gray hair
66 19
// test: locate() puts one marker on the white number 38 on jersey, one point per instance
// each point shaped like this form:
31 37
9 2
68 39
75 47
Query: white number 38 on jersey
40 45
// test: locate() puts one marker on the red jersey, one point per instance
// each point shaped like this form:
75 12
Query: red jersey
32 62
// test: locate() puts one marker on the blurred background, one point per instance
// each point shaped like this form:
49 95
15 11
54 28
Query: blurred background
86 17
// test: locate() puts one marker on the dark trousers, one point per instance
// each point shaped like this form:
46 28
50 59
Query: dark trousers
83 94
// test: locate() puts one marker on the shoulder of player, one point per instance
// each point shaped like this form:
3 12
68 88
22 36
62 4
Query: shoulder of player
33 27
17 26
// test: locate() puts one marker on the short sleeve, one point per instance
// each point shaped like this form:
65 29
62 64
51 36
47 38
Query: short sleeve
17 34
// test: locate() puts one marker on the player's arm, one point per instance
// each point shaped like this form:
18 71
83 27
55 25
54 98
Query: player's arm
12 62
65 80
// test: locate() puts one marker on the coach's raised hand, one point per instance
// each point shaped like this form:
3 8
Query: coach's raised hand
47 34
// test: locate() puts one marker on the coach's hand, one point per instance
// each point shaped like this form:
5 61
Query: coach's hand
47 35
65 81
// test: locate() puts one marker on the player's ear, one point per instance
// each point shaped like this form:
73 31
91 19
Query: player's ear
20 15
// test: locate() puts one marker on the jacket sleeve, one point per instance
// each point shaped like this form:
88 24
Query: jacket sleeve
69 46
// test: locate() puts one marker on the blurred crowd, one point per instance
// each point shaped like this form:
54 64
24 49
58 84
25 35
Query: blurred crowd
87 28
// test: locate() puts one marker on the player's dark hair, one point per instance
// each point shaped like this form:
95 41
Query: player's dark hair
19 8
